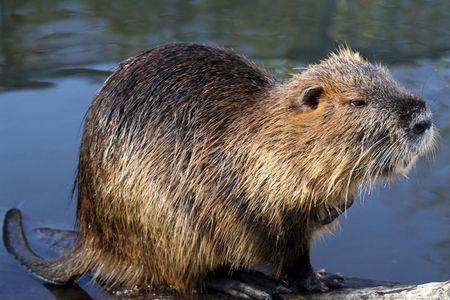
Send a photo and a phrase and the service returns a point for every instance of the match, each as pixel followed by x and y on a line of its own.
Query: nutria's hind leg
pixel 247 285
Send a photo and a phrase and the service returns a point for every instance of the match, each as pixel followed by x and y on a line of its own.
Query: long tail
pixel 61 271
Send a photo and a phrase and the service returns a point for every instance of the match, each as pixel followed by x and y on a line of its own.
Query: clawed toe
pixel 312 283
pixel 320 282
pixel 333 281
pixel 248 285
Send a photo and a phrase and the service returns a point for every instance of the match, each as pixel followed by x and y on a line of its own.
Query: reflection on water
pixel 55 54
pixel 40 36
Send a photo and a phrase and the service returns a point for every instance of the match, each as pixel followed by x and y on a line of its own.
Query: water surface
pixel 54 55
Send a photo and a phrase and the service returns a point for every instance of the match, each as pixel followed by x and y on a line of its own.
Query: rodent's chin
pixel 417 149
pixel 403 167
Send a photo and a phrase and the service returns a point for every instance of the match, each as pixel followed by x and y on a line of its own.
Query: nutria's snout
pixel 420 133
pixel 420 117
pixel 423 131
pixel 421 126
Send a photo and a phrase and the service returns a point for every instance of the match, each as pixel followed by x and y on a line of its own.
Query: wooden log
pixel 357 289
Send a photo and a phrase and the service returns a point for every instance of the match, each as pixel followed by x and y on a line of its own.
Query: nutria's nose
pixel 422 126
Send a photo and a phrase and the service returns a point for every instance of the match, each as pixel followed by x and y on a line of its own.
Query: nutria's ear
pixel 309 98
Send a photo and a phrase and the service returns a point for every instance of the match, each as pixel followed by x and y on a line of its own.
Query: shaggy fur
pixel 193 158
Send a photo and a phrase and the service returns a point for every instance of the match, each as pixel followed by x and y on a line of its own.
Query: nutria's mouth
pixel 403 161
pixel 403 168
pixel 398 168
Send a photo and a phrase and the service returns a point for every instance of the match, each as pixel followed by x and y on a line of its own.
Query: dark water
pixel 55 54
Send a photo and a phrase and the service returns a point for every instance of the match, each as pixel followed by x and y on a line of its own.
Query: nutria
pixel 194 159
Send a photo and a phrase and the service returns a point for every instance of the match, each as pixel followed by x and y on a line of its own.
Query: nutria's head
pixel 354 123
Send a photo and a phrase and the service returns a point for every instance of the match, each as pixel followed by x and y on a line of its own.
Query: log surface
pixel 356 288
pixel 59 241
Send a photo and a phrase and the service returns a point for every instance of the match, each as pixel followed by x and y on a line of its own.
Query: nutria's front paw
pixel 311 283
pixel 332 281
pixel 319 282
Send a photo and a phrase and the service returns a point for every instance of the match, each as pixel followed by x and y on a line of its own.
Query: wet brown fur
pixel 193 158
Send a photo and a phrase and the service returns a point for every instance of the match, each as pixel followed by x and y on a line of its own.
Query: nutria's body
pixel 193 158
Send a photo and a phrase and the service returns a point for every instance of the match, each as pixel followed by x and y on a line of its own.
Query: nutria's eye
pixel 358 103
